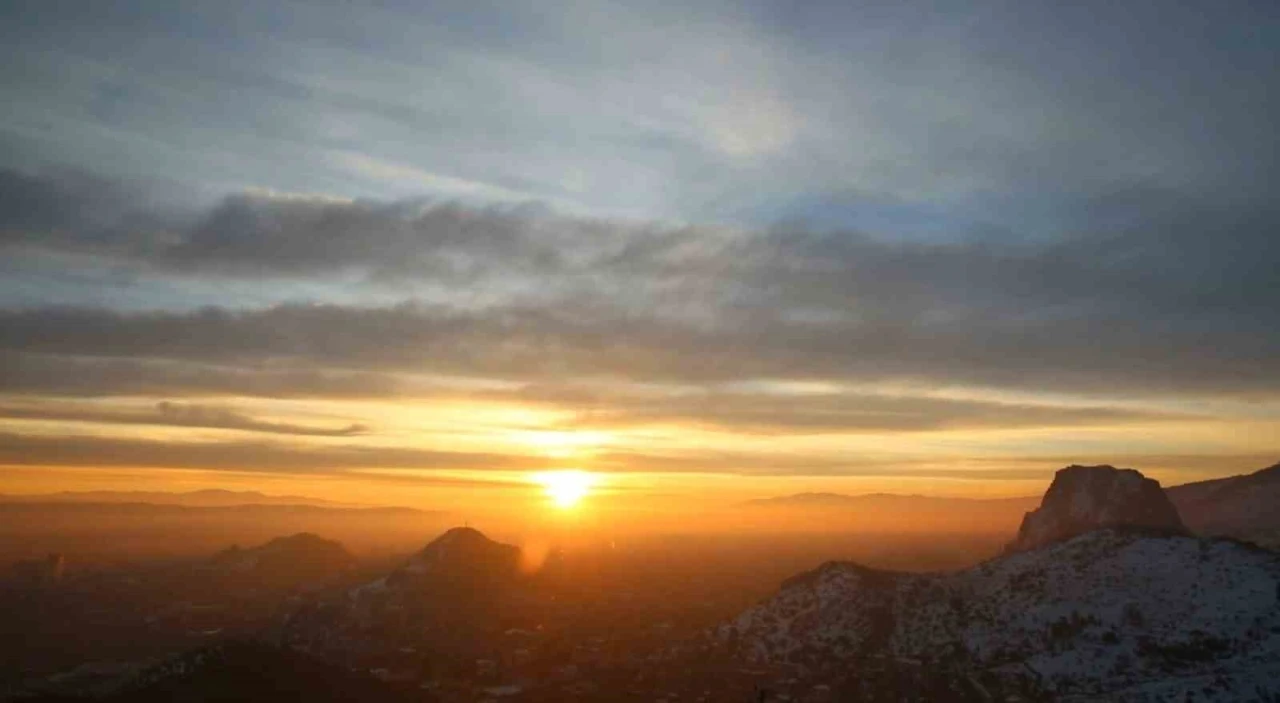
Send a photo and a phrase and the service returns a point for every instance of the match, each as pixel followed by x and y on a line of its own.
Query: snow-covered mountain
pixel 1084 498
pixel 1118 613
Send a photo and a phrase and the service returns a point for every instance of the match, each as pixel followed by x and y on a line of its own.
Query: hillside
pixel 1113 612
pixel 1239 506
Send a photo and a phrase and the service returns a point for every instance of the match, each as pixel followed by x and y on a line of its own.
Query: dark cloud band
pixel 177 415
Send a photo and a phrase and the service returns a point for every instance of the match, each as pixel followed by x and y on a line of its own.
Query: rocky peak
pixel 1086 498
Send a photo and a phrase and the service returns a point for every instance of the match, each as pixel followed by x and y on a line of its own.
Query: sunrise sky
pixel 419 252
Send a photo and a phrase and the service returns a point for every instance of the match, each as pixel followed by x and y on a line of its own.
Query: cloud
pixel 668 110
pixel 1045 199
pixel 1083 347
pixel 839 413
pixel 178 415
pixel 417 465
pixel 1147 288
pixel 274 457
pixel 89 376
pixel 705 404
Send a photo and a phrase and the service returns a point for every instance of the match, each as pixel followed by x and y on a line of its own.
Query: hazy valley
pixel 1103 589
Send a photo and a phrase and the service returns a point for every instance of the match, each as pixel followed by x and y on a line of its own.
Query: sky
pixel 407 252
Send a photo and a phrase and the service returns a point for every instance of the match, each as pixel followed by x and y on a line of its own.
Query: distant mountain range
pixel 891 513
pixel 208 498
pixel 1236 506
pixel 841 500
pixel 87 530
pixel 1104 596
pixel 143 509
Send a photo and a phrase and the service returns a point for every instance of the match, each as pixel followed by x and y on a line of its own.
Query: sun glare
pixel 566 488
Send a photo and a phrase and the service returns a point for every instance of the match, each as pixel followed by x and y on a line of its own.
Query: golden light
pixel 566 488
pixel 562 443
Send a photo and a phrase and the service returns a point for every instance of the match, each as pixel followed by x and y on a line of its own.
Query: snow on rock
pixel 1122 614
pixel 1084 498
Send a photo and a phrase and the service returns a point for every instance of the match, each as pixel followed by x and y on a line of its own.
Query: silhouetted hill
pixel 453 595
pixel 461 564
pixel 282 563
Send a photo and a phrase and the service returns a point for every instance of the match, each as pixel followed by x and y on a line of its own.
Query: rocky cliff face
pixel 1086 498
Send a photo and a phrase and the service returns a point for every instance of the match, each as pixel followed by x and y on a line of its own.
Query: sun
pixel 566 488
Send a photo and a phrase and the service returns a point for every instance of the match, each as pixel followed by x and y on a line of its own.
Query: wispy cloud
pixel 270 457
pixel 177 415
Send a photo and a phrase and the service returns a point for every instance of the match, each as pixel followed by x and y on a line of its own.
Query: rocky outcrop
pixel 1086 498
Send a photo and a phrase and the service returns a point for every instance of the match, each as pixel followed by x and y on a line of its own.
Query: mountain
pixel 1238 506
pixel 87 531
pixel 1120 613
pixel 456 594
pixel 1084 498
pixel 888 501
pixel 462 558
pixel 283 562
pixel 890 513
pixel 1129 609
pixel 208 498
